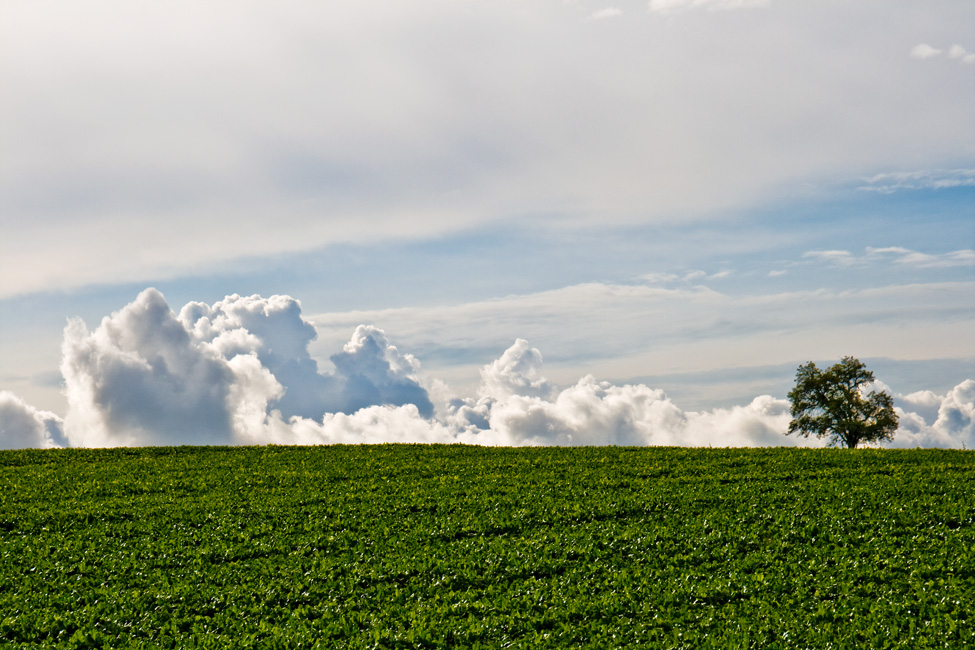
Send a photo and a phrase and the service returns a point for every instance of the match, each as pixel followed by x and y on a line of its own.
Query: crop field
pixel 404 546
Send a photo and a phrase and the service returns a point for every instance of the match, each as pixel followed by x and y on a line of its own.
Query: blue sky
pixel 693 196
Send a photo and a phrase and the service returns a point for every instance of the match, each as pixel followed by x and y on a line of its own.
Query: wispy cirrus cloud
pixel 353 120
pixel 608 12
pixel 907 257
pixel 673 6
pixel 927 179
pixel 627 331
pixel 834 257
pixel 688 277
pixel 894 255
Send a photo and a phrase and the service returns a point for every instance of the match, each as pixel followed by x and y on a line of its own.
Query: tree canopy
pixel 832 403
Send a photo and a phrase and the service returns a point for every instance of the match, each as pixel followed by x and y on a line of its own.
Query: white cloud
pixel 927 179
pixel 924 403
pixel 511 411
pixel 673 6
pixel 23 426
pixel 896 255
pixel 608 12
pixel 273 331
pixel 963 55
pixel 516 372
pixel 659 278
pixel 375 372
pixel 588 413
pixel 140 378
pixel 146 376
pixel 593 412
pixel 759 423
pixel 597 413
pixel 957 52
pixel 925 51
pixel 953 425
pixel 907 257
pixel 689 277
pixel 371 425
pixel 837 257
pixel 626 331
pixel 343 121
pixel 369 370
pixel 216 375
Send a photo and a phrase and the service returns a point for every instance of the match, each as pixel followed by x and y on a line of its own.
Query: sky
pixel 506 222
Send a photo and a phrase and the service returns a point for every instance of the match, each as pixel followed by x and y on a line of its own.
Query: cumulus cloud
pixel 629 332
pixel 515 410
pixel 924 51
pixel 216 374
pixel 960 53
pixel 222 374
pixel 516 372
pixel 956 52
pixel 929 420
pixel 140 378
pixel 588 413
pixel 375 372
pixel 23 426
pixel 370 370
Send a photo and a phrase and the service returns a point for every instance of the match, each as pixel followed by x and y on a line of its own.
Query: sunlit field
pixel 404 546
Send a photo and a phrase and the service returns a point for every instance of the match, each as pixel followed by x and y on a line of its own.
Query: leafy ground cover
pixel 464 547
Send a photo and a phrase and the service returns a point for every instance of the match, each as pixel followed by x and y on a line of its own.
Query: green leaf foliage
pixel 831 403
pixel 403 546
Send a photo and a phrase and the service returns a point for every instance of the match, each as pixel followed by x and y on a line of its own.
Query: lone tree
pixel 831 403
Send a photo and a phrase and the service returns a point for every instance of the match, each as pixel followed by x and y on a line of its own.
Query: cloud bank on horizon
pixel 239 372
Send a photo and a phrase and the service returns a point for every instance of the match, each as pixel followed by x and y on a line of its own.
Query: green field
pixel 464 547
